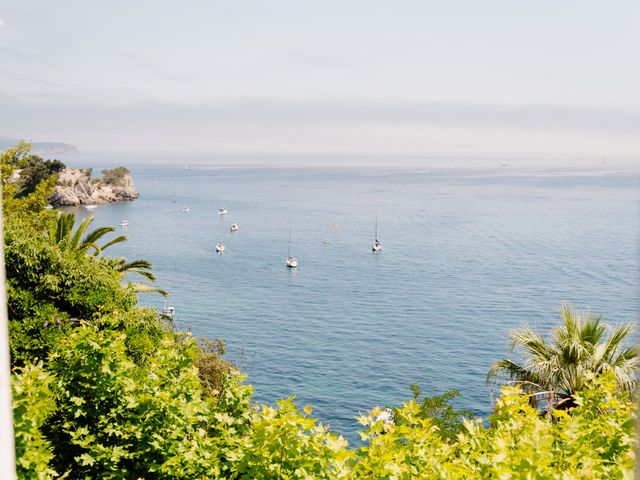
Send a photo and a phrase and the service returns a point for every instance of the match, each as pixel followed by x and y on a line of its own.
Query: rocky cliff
pixel 76 187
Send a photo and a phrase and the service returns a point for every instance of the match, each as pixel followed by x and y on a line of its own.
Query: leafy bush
pixel 448 419
pixel 596 440
pixel 117 417
pixel 33 404
pixel 283 443
pixel 212 368
pixel 114 176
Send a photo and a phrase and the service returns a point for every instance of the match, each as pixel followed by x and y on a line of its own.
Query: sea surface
pixel 469 253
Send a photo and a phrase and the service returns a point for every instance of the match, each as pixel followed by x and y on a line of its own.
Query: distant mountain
pixel 40 148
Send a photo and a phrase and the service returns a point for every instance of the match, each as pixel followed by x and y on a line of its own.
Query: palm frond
pixel 97 234
pixel 620 332
pixel 118 239
pixel 75 239
pixel 145 288
pixel 511 370
pixel 64 226
pixel 135 264
pixel 531 341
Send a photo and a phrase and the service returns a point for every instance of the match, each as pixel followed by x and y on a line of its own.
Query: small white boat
pixel 168 311
pixel 185 210
pixel 326 242
pixel 48 207
pixel 91 207
pixel 504 164
pixel 124 223
pixel 377 246
pixel 219 247
pixel 222 211
pixel 292 262
pixel 234 227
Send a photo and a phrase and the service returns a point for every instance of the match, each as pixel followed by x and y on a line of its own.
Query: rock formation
pixel 76 187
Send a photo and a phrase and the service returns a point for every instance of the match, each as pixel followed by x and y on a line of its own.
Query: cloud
pixel 350 125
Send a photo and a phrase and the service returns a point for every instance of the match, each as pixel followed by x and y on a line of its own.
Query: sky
pixel 367 77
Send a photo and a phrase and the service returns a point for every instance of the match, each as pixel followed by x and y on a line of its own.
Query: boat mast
pixel 376 229
pixel 289 248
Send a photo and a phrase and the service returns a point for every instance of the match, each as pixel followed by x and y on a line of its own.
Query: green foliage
pixel 117 417
pixel 212 368
pixel 14 158
pixel 62 234
pixel 80 285
pixel 411 447
pixel 444 415
pixel 33 404
pixel 595 441
pixel 114 176
pixel 28 192
pixel 35 171
pixel 283 443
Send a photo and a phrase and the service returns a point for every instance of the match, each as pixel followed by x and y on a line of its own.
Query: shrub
pixel 448 419
pixel 114 176
pixel 33 404
pixel 212 368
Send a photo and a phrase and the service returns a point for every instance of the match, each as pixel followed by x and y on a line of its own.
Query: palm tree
pixel 554 371
pixel 62 234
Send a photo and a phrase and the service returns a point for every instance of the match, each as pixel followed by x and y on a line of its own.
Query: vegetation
pixel 114 176
pixel 106 389
pixel 32 169
pixel 555 372
pixel 443 414
pixel 71 241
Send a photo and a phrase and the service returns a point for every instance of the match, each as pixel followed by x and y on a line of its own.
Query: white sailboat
pixel 124 223
pixel 377 246
pixel 234 227
pixel 222 211
pixel 220 247
pixel 292 262
pixel 168 311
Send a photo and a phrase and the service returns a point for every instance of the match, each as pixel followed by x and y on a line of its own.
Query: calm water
pixel 468 254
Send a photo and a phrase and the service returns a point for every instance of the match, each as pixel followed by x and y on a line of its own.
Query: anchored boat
pixel 292 262
pixel 377 246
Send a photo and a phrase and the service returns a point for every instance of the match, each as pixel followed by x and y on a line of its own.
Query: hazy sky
pixel 346 76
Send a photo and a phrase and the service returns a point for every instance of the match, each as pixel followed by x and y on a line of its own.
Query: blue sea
pixel 469 253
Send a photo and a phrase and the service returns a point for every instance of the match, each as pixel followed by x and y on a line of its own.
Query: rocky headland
pixel 76 187
pixel 41 148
